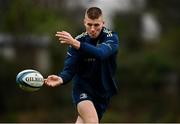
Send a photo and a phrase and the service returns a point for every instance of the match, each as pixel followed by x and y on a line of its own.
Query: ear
pixel 103 23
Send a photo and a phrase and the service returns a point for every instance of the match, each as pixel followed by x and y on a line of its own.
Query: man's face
pixel 93 27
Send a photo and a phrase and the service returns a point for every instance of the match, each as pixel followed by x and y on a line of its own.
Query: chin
pixel 93 36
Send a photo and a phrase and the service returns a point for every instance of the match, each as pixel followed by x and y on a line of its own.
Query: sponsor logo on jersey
pixel 83 96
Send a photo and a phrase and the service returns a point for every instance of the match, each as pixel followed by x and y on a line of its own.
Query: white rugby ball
pixel 29 80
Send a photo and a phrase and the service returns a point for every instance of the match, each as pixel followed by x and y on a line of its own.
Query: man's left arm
pixel 102 51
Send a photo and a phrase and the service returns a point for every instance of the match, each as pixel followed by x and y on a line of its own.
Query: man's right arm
pixel 68 72
pixel 69 65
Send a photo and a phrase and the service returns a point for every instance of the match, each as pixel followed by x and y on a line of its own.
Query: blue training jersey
pixel 93 66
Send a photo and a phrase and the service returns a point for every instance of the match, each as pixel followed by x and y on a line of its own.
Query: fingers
pixel 64 37
pixel 49 84
pixel 52 81
pixel 63 34
pixel 45 81
pixel 52 77
pixel 62 41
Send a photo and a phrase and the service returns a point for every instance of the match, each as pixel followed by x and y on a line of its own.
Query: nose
pixel 92 29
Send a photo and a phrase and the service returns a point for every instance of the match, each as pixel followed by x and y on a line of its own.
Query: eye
pixel 89 24
pixel 96 25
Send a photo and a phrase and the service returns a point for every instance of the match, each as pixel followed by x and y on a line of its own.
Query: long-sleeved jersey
pixel 92 67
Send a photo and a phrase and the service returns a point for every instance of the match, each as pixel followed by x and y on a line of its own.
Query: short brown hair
pixel 93 12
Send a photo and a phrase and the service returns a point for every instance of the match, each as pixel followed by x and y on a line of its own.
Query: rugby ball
pixel 29 80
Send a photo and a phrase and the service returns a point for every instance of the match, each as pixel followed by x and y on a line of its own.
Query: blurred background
pixel 148 61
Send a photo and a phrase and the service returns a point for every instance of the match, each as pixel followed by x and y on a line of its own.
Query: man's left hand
pixel 66 38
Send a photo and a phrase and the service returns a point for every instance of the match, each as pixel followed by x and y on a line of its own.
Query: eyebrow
pixel 96 24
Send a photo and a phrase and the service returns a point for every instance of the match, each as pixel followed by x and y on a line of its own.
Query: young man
pixel 91 63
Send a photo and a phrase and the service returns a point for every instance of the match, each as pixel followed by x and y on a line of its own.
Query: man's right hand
pixel 53 80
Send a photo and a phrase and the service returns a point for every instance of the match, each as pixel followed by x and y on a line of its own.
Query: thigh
pixel 84 105
pixel 101 106
pixel 87 111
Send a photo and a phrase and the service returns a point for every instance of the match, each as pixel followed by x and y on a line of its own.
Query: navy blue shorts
pixel 100 104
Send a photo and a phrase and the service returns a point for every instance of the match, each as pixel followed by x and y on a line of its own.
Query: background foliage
pixel 148 72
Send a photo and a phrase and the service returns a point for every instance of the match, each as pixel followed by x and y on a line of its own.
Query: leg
pixel 79 120
pixel 87 112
